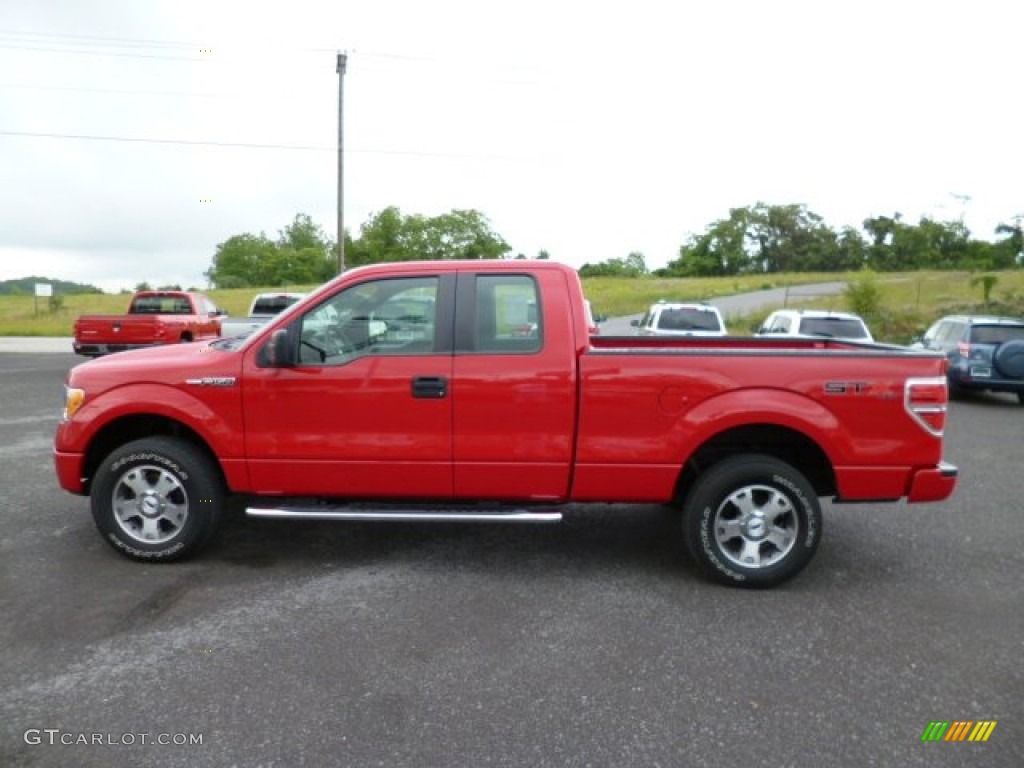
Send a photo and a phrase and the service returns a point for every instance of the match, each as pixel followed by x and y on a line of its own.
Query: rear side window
pixel 688 319
pixel 996 334
pixel 833 326
pixel 508 317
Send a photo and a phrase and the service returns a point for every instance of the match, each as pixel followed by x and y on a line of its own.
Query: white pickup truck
pixel 264 306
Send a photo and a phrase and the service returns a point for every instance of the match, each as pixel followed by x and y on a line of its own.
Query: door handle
pixel 429 387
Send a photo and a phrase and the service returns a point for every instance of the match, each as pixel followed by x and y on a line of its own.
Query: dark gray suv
pixel 984 352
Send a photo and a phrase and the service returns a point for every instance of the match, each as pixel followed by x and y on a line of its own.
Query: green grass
pixel 909 301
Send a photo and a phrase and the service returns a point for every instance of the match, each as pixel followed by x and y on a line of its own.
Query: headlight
pixel 73 399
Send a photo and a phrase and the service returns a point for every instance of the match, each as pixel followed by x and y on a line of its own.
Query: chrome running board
pixel 405 515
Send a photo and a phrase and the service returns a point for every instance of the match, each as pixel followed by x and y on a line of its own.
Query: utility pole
pixel 342 60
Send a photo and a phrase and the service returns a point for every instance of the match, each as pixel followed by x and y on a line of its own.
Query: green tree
pixel 760 238
pixel 864 296
pixel 633 265
pixel 237 263
pixel 301 255
pixel 987 283
pixel 460 234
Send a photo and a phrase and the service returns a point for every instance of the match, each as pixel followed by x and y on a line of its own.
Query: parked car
pixel 264 306
pixel 985 352
pixel 154 318
pixel 816 322
pixel 676 319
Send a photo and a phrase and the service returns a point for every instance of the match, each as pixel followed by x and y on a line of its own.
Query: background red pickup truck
pixel 469 391
pixel 154 317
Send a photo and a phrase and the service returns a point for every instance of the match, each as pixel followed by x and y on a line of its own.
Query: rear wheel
pixel 157 499
pixel 752 521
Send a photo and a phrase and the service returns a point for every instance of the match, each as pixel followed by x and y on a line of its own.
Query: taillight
pixel 964 348
pixel 926 400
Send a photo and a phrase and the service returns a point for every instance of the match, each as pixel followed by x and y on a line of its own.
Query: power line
pixel 248 145
pixel 95 39
pixel 140 92
pixel 101 53
pixel 35 41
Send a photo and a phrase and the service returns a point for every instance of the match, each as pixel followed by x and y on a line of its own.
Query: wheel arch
pixel 126 429
pixel 783 443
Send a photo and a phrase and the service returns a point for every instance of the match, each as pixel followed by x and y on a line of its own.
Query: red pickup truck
pixel 154 317
pixel 412 392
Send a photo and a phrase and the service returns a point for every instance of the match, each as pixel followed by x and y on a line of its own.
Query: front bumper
pixel 69 471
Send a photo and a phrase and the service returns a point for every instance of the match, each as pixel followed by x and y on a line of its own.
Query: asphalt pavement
pixel 591 643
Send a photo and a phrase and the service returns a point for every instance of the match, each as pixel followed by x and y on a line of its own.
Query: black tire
pixel 1020 398
pixel 158 499
pixel 752 521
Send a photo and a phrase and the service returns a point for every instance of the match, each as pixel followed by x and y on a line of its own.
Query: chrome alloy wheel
pixel 756 526
pixel 150 504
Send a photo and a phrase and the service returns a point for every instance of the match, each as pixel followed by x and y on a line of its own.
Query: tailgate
pixel 116 329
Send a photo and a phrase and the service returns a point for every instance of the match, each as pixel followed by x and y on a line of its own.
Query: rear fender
pixel 746 407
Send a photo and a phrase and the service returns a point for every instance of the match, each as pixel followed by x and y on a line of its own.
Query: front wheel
pixel 752 521
pixel 157 499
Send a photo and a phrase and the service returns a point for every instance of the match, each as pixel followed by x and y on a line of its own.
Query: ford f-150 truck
pixel 411 391
pixel 154 317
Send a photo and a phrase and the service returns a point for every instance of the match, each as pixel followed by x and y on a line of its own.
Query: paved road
pixel 590 643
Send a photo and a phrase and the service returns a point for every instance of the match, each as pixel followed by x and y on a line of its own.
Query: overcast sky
pixel 585 129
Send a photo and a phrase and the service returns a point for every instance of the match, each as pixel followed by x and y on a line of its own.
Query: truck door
pixel 367 409
pixel 514 383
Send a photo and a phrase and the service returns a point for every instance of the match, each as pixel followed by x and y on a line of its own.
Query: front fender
pixel 213 413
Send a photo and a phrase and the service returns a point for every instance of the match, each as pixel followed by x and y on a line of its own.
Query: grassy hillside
pixel 909 302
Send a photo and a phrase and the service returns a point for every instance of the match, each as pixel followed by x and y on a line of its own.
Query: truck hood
pixel 173 364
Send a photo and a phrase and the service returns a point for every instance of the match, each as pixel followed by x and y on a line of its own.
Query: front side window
pixel 379 317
